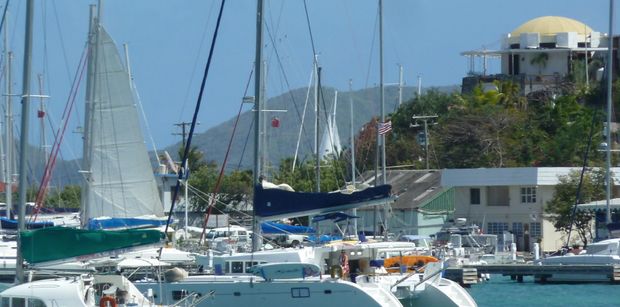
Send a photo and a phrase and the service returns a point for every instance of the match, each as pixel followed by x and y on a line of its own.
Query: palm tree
pixel 540 60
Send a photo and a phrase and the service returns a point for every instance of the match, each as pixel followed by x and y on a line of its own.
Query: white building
pixel 509 199
pixel 539 54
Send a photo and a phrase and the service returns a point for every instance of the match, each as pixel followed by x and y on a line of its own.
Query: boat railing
pixel 415 271
pixel 426 278
pixel 194 299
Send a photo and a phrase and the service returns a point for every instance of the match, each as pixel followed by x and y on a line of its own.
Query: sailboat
pixel 119 189
pixel 43 246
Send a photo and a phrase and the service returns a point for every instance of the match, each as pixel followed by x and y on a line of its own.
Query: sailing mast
pixel 381 137
pixel 354 211
pixel 88 113
pixel 609 110
pixel 8 122
pixel 258 100
pixel 23 145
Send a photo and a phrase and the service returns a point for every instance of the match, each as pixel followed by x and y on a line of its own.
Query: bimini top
pixel 552 25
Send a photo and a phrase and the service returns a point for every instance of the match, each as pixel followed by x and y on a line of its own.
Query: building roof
pixel 552 25
pixel 413 188
pixel 516 176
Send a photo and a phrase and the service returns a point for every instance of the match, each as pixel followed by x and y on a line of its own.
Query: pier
pixel 541 273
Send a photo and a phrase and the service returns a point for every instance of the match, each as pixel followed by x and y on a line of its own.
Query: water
pixel 502 291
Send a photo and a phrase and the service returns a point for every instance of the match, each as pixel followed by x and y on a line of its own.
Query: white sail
pixel 119 174
pixel 330 141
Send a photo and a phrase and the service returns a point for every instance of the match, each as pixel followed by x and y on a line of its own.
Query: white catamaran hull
pixel 255 291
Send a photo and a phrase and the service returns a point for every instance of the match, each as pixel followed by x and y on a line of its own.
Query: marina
pixel 497 191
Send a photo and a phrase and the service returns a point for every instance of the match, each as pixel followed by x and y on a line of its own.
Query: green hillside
pixel 281 142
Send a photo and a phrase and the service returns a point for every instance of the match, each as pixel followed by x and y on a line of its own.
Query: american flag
pixel 385 127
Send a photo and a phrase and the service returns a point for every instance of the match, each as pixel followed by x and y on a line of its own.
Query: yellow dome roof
pixel 551 25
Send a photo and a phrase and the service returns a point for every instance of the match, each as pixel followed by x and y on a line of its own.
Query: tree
pixel 195 157
pixel 69 197
pixel 540 60
pixel 304 177
pixel 560 207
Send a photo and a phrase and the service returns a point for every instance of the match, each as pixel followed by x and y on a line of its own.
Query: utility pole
pixel 184 130
pixel 425 119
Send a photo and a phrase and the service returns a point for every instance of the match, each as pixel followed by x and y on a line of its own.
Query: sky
pixel 168 44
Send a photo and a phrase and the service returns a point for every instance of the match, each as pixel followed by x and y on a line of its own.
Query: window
pixel 528 195
pixel 498 196
pixel 300 292
pixel 517 229
pixel 496 228
pixel 35 302
pixel 249 265
pixel 179 294
pixel 243 236
pixel 6 302
pixel 18 302
pixel 535 230
pixel 474 196
pixel 236 267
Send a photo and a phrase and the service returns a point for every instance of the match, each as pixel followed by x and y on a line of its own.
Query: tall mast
pixel 419 85
pixel 258 62
pixel 382 136
pixel 316 129
pixel 609 109
pixel 264 135
pixel 23 145
pixel 381 85
pixel 89 105
pixel 354 211
pixel 8 122
pixel 41 116
pixel 400 85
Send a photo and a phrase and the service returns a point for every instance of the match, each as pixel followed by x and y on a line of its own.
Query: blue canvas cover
pixel 125 223
pixel 11 224
pixel 277 203
pixel 279 228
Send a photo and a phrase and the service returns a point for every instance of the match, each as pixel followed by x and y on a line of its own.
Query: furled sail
pixel 277 203
pixel 119 176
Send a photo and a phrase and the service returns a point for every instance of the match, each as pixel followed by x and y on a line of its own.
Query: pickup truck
pixel 287 240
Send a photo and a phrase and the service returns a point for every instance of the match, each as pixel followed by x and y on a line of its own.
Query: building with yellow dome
pixel 540 54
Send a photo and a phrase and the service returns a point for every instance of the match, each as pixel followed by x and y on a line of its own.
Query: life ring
pixel 107 299
pixel 336 270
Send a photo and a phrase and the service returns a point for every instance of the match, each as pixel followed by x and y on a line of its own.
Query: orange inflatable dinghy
pixel 412 262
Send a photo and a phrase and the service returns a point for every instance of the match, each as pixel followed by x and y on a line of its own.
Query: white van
pixel 231 234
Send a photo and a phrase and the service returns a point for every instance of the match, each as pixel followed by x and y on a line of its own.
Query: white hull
pixel 254 291
pixel 78 291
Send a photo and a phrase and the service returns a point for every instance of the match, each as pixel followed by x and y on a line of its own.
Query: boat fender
pixel 336 270
pixel 103 302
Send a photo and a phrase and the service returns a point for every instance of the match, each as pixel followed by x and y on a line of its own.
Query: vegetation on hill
pixel 497 128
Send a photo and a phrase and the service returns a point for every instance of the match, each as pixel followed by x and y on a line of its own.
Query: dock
pixel 541 273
